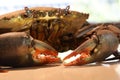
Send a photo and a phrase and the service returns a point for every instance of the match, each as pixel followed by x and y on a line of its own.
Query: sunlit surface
pixel 117 69
pixel 109 71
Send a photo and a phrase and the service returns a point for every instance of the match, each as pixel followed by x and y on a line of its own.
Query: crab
pixel 34 36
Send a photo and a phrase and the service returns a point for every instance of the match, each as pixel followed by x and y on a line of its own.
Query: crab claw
pixel 43 53
pixel 19 49
pixel 96 49
pixel 81 54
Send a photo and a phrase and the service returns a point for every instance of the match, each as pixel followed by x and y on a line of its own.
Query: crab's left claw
pixel 43 53
pixel 96 49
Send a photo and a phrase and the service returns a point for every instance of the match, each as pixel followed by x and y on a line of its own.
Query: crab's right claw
pixel 96 49
pixel 81 55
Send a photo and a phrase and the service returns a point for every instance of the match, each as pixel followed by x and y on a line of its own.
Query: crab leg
pixel 93 50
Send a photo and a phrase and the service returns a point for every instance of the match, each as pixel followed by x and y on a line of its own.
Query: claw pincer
pixel 100 46
pixel 18 49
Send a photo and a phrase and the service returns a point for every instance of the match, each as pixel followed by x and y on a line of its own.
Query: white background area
pixel 99 10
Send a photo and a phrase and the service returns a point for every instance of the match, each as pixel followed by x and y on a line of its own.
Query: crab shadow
pixel 32 67
pixel 109 63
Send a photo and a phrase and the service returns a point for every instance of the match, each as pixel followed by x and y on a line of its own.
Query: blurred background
pixel 99 10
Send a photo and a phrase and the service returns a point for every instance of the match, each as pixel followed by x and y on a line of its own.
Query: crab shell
pixel 51 25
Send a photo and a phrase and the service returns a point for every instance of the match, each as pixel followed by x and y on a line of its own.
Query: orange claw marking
pixel 84 55
pixel 45 56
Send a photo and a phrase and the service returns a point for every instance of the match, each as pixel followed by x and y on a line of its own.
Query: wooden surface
pixel 106 71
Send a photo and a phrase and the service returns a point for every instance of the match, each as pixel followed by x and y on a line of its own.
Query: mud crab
pixel 60 28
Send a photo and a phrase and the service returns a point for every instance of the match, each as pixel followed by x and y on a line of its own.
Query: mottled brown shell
pixel 52 25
